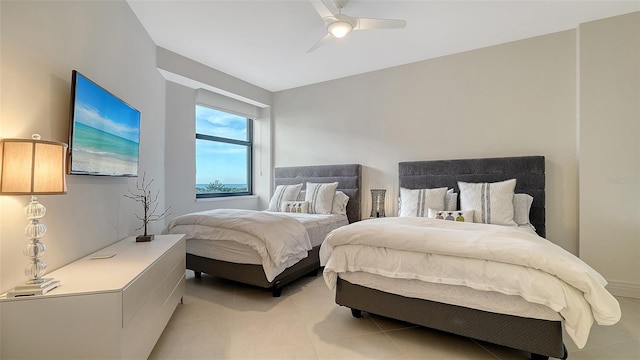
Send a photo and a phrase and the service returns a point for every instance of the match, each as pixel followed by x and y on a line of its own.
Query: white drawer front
pixel 143 288
pixel 144 329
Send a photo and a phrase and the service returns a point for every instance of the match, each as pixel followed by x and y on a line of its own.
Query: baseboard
pixel 624 289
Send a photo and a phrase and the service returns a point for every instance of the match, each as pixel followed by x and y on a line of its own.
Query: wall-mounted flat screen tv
pixel 104 132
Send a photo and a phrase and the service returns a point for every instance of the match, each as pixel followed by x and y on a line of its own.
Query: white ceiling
pixel 265 42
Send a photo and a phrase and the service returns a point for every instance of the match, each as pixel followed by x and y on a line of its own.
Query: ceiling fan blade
pixel 322 9
pixel 321 42
pixel 366 24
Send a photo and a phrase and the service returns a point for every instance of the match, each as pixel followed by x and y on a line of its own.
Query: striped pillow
pixel 320 197
pixel 492 203
pixel 416 203
pixel 451 200
pixel 283 193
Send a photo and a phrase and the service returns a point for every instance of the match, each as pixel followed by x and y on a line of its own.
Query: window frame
pixel 248 143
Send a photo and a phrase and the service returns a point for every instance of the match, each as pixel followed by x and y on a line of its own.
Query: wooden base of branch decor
pixel 144 238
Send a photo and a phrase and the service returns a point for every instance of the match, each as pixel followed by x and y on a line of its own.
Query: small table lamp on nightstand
pixel 377 202
pixel 33 167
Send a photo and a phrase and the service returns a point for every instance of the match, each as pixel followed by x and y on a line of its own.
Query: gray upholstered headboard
pixel 527 170
pixel 349 178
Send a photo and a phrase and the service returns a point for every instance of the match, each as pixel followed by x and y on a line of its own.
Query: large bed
pixel 213 237
pixel 461 305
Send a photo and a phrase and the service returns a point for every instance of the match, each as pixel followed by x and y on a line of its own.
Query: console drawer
pixel 143 288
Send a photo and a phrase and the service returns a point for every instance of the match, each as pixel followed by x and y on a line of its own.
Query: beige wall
pixel 508 100
pixel 42 41
pixel 610 149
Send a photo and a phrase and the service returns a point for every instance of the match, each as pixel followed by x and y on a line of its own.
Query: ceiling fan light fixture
pixel 339 28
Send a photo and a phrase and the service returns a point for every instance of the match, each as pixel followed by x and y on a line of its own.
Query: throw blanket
pixel 280 240
pixel 484 257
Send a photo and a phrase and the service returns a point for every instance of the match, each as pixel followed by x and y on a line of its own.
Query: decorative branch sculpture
pixel 143 195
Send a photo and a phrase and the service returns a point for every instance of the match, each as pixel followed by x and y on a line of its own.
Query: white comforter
pixel 280 241
pixel 484 257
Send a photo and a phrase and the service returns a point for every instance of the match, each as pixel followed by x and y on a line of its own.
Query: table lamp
pixel 33 167
pixel 377 202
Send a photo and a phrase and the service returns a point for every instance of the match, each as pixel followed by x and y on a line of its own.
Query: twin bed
pixel 501 284
pixel 228 243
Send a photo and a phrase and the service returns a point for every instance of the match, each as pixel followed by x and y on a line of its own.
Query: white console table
pixel 114 307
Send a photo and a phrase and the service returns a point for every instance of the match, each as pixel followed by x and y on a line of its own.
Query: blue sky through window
pixel 218 123
pixel 226 163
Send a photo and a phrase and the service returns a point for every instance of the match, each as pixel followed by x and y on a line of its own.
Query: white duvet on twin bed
pixel 225 250
pixel 483 257
pixel 254 237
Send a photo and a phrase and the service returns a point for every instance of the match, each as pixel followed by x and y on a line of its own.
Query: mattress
pixel 490 301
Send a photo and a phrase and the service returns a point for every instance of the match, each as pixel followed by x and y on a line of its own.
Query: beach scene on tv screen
pixel 106 133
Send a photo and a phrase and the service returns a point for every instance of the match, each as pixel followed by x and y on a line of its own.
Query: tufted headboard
pixel 349 178
pixel 529 172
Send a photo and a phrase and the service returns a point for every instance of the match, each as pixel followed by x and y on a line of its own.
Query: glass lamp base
pixel 34 287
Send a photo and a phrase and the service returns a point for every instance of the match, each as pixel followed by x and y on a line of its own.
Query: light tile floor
pixel 224 320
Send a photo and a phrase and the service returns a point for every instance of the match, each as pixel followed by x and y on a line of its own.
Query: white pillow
pixel 451 200
pixel 283 193
pixel 320 197
pixel 415 203
pixel 492 203
pixel 521 208
pixel 295 206
pixel 467 215
pixel 340 201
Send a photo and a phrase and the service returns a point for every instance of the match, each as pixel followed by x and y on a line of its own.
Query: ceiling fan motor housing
pixel 340 3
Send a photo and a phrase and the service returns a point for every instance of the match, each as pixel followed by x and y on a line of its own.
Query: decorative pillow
pixel 521 208
pixel 340 201
pixel 492 203
pixel 467 216
pixel 415 203
pixel 451 200
pixel 283 193
pixel 320 197
pixel 295 207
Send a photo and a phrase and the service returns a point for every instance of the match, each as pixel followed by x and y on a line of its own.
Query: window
pixel 224 144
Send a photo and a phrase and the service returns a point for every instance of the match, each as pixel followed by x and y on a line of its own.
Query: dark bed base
pixel 543 338
pixel 254 274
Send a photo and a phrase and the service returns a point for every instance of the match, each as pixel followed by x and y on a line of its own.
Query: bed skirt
pixel 254 274
pixel 540 337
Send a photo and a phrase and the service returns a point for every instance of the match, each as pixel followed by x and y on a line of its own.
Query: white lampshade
pixel 32 167
pixel 339 28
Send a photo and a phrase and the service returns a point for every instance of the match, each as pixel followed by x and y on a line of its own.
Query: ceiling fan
pixel 339 24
